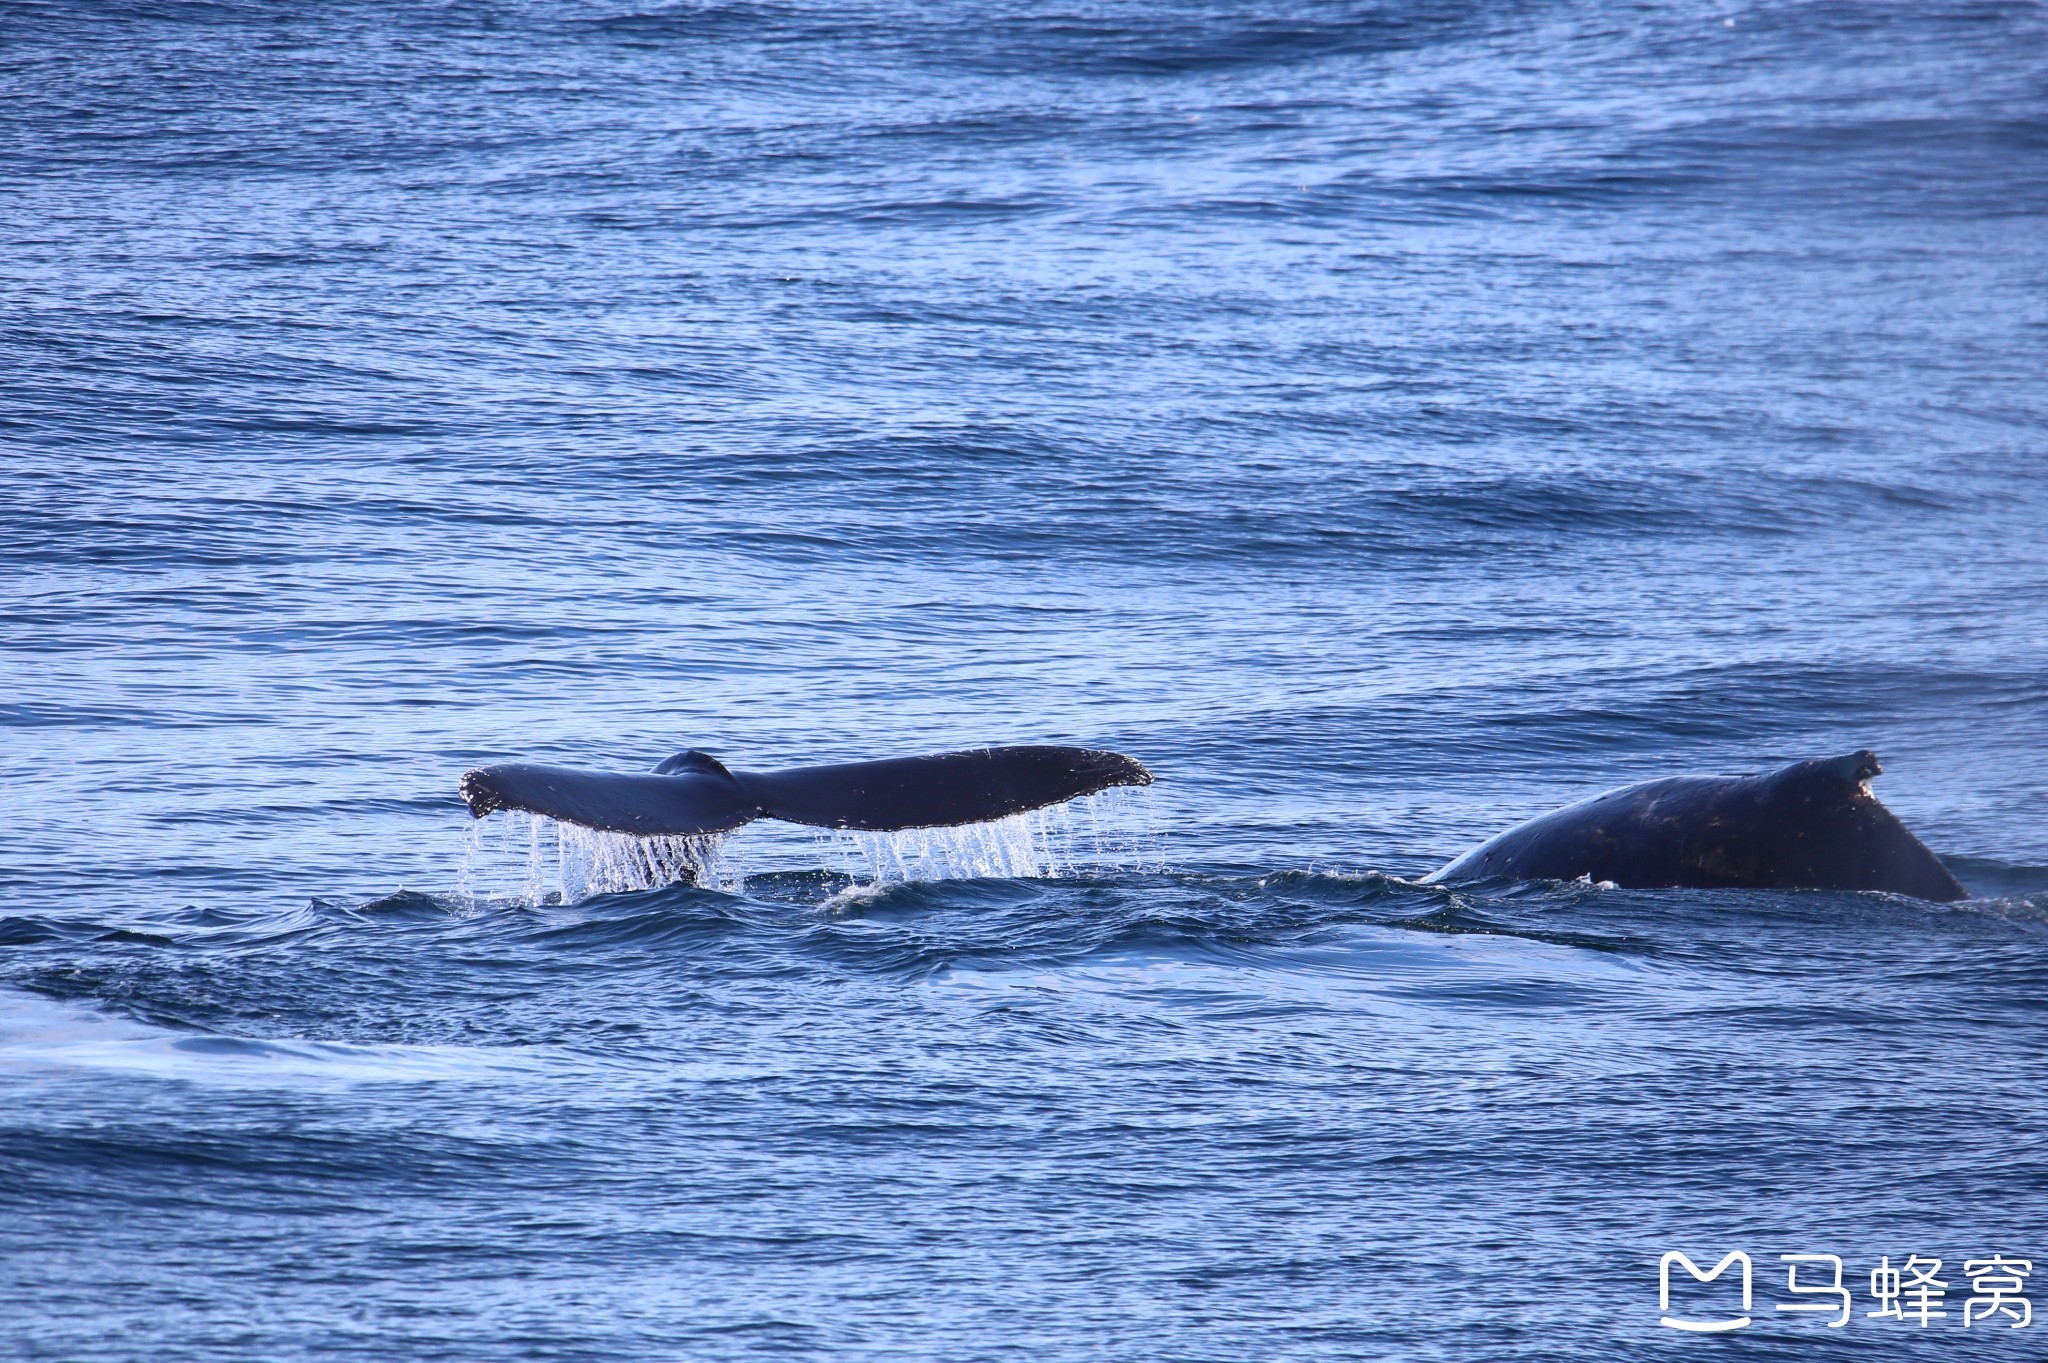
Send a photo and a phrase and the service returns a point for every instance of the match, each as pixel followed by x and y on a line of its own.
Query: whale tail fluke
pixel 673 799
pixel 692 793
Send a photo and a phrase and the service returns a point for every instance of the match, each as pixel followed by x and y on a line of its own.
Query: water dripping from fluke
pixel 1104 832
pixel 535 861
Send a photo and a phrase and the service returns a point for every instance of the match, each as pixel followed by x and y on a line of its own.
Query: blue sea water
pixel 1386 421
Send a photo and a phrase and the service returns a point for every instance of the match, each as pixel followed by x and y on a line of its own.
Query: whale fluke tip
pixel 476 792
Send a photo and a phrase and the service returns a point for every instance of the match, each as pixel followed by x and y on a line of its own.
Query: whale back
pixel 1810 825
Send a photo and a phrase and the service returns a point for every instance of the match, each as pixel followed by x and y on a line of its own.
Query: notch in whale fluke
pixel 693 793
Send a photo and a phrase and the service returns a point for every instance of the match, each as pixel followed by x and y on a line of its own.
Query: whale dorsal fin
pixel 1853 768
pixel 692 760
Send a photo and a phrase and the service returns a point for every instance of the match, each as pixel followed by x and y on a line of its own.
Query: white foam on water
pixel 535 860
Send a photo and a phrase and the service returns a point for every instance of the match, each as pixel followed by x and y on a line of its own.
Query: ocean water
pixel 1386 421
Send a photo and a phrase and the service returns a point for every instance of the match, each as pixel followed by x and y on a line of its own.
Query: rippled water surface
pixel 1385 421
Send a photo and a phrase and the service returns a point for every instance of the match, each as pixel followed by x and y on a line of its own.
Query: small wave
pixel 1986 878
pixel 24 931
pixel 42 1033
pixel 1382 969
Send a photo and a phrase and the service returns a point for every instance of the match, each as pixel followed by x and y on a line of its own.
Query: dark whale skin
pixel 693 793
pixel 1812 825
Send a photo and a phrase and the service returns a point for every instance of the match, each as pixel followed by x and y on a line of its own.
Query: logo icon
pixel 1702 1326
